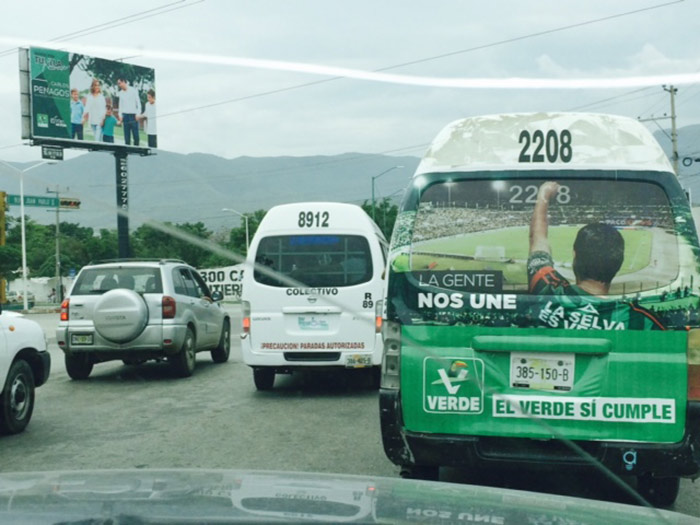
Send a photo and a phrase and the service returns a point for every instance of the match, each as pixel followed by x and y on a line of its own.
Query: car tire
pixel 17 401
pixel 660 492
pixel 221 352
pixel 78 366
pixel 264 378
pixel 183 362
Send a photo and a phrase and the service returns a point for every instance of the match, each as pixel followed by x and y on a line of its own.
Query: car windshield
pixel 324 249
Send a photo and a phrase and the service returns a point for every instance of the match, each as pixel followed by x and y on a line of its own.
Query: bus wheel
pixel 660 492
pixel 263 378
pixel 429 473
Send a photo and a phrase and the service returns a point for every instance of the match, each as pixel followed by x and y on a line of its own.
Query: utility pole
pixel 674 134
pixel 59 284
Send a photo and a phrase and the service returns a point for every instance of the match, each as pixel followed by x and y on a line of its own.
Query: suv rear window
pixel 315 260
pixel 99 280
pixel 484 225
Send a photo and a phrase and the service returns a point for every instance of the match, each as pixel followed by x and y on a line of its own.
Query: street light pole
pixel 373 179
pixel 22 227
pixel 247 239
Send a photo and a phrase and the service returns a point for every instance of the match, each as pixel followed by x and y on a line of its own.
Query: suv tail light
pixel 64 309
pixel 169 307
pixel 245 306
pixel 391 361
pixel 694 365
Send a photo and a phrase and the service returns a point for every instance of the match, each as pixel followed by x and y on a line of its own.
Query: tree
pixel 385 215
pixel 10 260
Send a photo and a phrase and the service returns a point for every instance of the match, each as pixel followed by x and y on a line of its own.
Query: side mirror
pixel 217 296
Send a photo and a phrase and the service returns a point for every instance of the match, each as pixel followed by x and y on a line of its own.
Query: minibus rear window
pixel 486 225
pixel 313 260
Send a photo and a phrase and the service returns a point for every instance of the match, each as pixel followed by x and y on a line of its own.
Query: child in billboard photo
pixel 76 115
pixel 149 116
pixel 129 108
pixel 95 109
pixel 108 126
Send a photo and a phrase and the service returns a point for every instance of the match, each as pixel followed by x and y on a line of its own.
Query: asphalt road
pixel 144 417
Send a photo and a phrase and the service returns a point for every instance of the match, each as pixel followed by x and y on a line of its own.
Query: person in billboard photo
pixel 129 108
pixel 108 126
pixel 149 116
pixel 95 109
pixel 598 254
pixel 76 115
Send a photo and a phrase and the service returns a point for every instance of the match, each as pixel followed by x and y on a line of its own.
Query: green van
pixel 542 305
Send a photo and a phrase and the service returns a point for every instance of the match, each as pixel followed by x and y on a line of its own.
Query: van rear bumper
pixel 406 448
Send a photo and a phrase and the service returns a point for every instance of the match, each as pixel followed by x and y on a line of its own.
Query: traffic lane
pixel 142 416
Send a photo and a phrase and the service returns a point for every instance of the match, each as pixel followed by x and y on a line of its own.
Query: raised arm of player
pixel 539 223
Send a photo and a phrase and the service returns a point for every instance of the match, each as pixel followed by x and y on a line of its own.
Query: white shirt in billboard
pixel 129 102
pixel 149 111
pixel 96 108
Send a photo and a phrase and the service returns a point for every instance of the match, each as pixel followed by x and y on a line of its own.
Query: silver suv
pixel 136 310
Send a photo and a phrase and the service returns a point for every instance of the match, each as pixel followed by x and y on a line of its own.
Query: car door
pixel 203 308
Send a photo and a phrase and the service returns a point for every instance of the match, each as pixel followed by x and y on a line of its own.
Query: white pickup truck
pixel 24 364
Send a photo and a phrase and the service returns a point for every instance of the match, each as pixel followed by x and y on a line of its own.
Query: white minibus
pixel 313 290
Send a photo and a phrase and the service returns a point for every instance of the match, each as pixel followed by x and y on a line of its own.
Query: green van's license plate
pixel 542 371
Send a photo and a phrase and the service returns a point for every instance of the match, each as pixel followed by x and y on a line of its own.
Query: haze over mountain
pixel 189 188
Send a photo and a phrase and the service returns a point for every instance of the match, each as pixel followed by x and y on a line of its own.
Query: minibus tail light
pixel 391 359
pixel 245 307
pixel 378 317
pixel 694 364
pixel 169 307
pixel 64 309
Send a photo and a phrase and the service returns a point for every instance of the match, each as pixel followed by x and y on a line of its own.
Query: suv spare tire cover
pixel 120 315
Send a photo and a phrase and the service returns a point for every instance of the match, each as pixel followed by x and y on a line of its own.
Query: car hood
pixel 231 496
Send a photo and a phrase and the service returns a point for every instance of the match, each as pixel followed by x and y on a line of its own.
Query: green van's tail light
pixel 169 307
pixel 64 309
pixel 245 307
pixel 694 365
pixel 378 317
pixel 391 361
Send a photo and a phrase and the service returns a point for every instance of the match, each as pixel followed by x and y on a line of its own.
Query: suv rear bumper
pixel 165 339
pixel 406 448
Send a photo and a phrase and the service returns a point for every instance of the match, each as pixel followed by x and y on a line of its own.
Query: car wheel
pixel 264 378
pixel 78 366
pixel 429 473
pixel 17 402
pixel 660 492
pixel 221 352
pixel 183 362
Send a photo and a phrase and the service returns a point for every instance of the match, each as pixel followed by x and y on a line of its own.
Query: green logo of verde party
pixel 453 385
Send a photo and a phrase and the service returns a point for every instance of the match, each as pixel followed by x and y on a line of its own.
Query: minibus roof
pixel 496 142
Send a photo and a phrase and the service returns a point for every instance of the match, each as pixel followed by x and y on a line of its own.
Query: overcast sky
pixel 492 40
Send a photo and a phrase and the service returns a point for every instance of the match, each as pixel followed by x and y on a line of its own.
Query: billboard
pixel 85 102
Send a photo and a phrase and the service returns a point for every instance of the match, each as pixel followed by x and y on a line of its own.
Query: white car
pixel 24 364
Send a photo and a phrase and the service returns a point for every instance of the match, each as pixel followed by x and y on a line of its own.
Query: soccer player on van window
pixel 598 255
pixel 76 115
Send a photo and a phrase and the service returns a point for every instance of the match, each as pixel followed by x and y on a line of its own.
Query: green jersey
pixel 566 305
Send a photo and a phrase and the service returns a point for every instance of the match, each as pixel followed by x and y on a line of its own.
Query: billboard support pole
pixel 122 166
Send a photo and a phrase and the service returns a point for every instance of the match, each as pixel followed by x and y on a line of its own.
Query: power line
pixel 422 60
pixel 142 15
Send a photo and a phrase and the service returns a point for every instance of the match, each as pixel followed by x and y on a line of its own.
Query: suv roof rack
pixel 137 259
